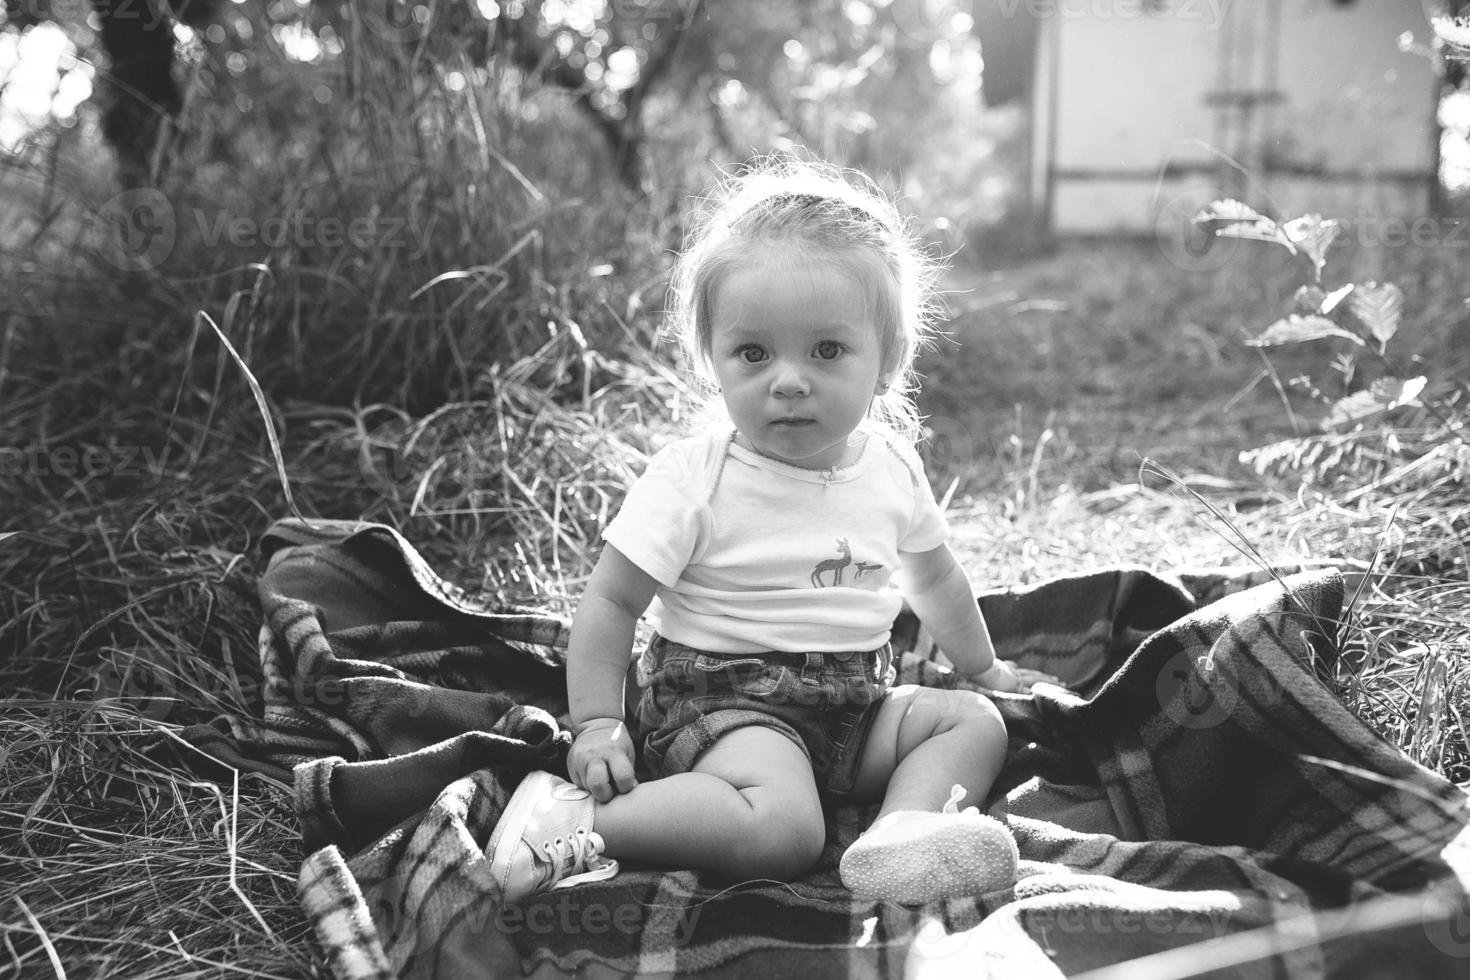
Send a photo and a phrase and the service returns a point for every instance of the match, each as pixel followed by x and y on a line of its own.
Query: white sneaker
pixel 544 839
pixel 912 857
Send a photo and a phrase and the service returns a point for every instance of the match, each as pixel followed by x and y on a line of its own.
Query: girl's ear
pixel 887 374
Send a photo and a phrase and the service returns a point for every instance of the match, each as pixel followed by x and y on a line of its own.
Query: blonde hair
pixel 824 213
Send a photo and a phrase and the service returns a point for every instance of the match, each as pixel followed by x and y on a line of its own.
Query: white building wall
pixel 1314 102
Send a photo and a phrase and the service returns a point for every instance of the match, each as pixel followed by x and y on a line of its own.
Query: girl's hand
pixel 1005 676
pixel 601 760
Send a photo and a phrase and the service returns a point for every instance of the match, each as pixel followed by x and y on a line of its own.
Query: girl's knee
pixel 977 709
pixel 804 841
pixel 780 831
pixel 935 711
pixel 784 846
pixel 978 714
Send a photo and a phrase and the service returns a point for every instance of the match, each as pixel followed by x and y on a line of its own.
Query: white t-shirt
pixel 752 554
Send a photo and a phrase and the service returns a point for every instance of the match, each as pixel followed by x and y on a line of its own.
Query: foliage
pixel 867 83
pixel 488 380
pixel 1365 315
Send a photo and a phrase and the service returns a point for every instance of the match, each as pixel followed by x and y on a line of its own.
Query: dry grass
pixel 124 867
pixel 137 615
pixel 1405 666
pixel 491 396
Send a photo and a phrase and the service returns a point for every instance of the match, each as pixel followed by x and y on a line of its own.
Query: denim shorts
pixel 823 702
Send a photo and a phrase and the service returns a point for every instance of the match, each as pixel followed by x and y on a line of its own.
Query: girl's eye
pixel 828 350
pixel 751 354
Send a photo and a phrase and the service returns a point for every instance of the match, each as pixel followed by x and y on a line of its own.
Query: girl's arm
pixel 618 592
pixel 936 587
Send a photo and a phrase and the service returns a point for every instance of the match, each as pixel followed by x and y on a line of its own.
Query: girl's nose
pixel 789 382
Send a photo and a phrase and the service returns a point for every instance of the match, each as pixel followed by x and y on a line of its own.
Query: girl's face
pixel 797 354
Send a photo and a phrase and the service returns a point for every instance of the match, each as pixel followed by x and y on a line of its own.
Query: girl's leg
pixel 924 741
pixel 924 744
pixel 748 809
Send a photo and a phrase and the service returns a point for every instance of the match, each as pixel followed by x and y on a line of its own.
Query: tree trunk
pixel 140 99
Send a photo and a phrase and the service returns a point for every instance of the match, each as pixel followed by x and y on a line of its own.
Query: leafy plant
pixel 1364 316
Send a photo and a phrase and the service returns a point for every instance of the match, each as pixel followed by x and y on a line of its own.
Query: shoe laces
pixel 565 857
pixel 957 793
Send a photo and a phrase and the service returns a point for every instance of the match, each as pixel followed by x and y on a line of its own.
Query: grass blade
pixel 265 413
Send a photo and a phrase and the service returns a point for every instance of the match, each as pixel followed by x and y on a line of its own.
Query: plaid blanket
pixel 1197 782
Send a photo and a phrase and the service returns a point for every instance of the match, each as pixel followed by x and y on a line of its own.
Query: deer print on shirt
pixel 833 565
pixel 864 567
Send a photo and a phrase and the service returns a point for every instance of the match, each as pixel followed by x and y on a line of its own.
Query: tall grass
pixel 489 381
pixel 479 367
pixel 1101 407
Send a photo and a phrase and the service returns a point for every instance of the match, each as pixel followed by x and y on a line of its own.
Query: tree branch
pixel 516 40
